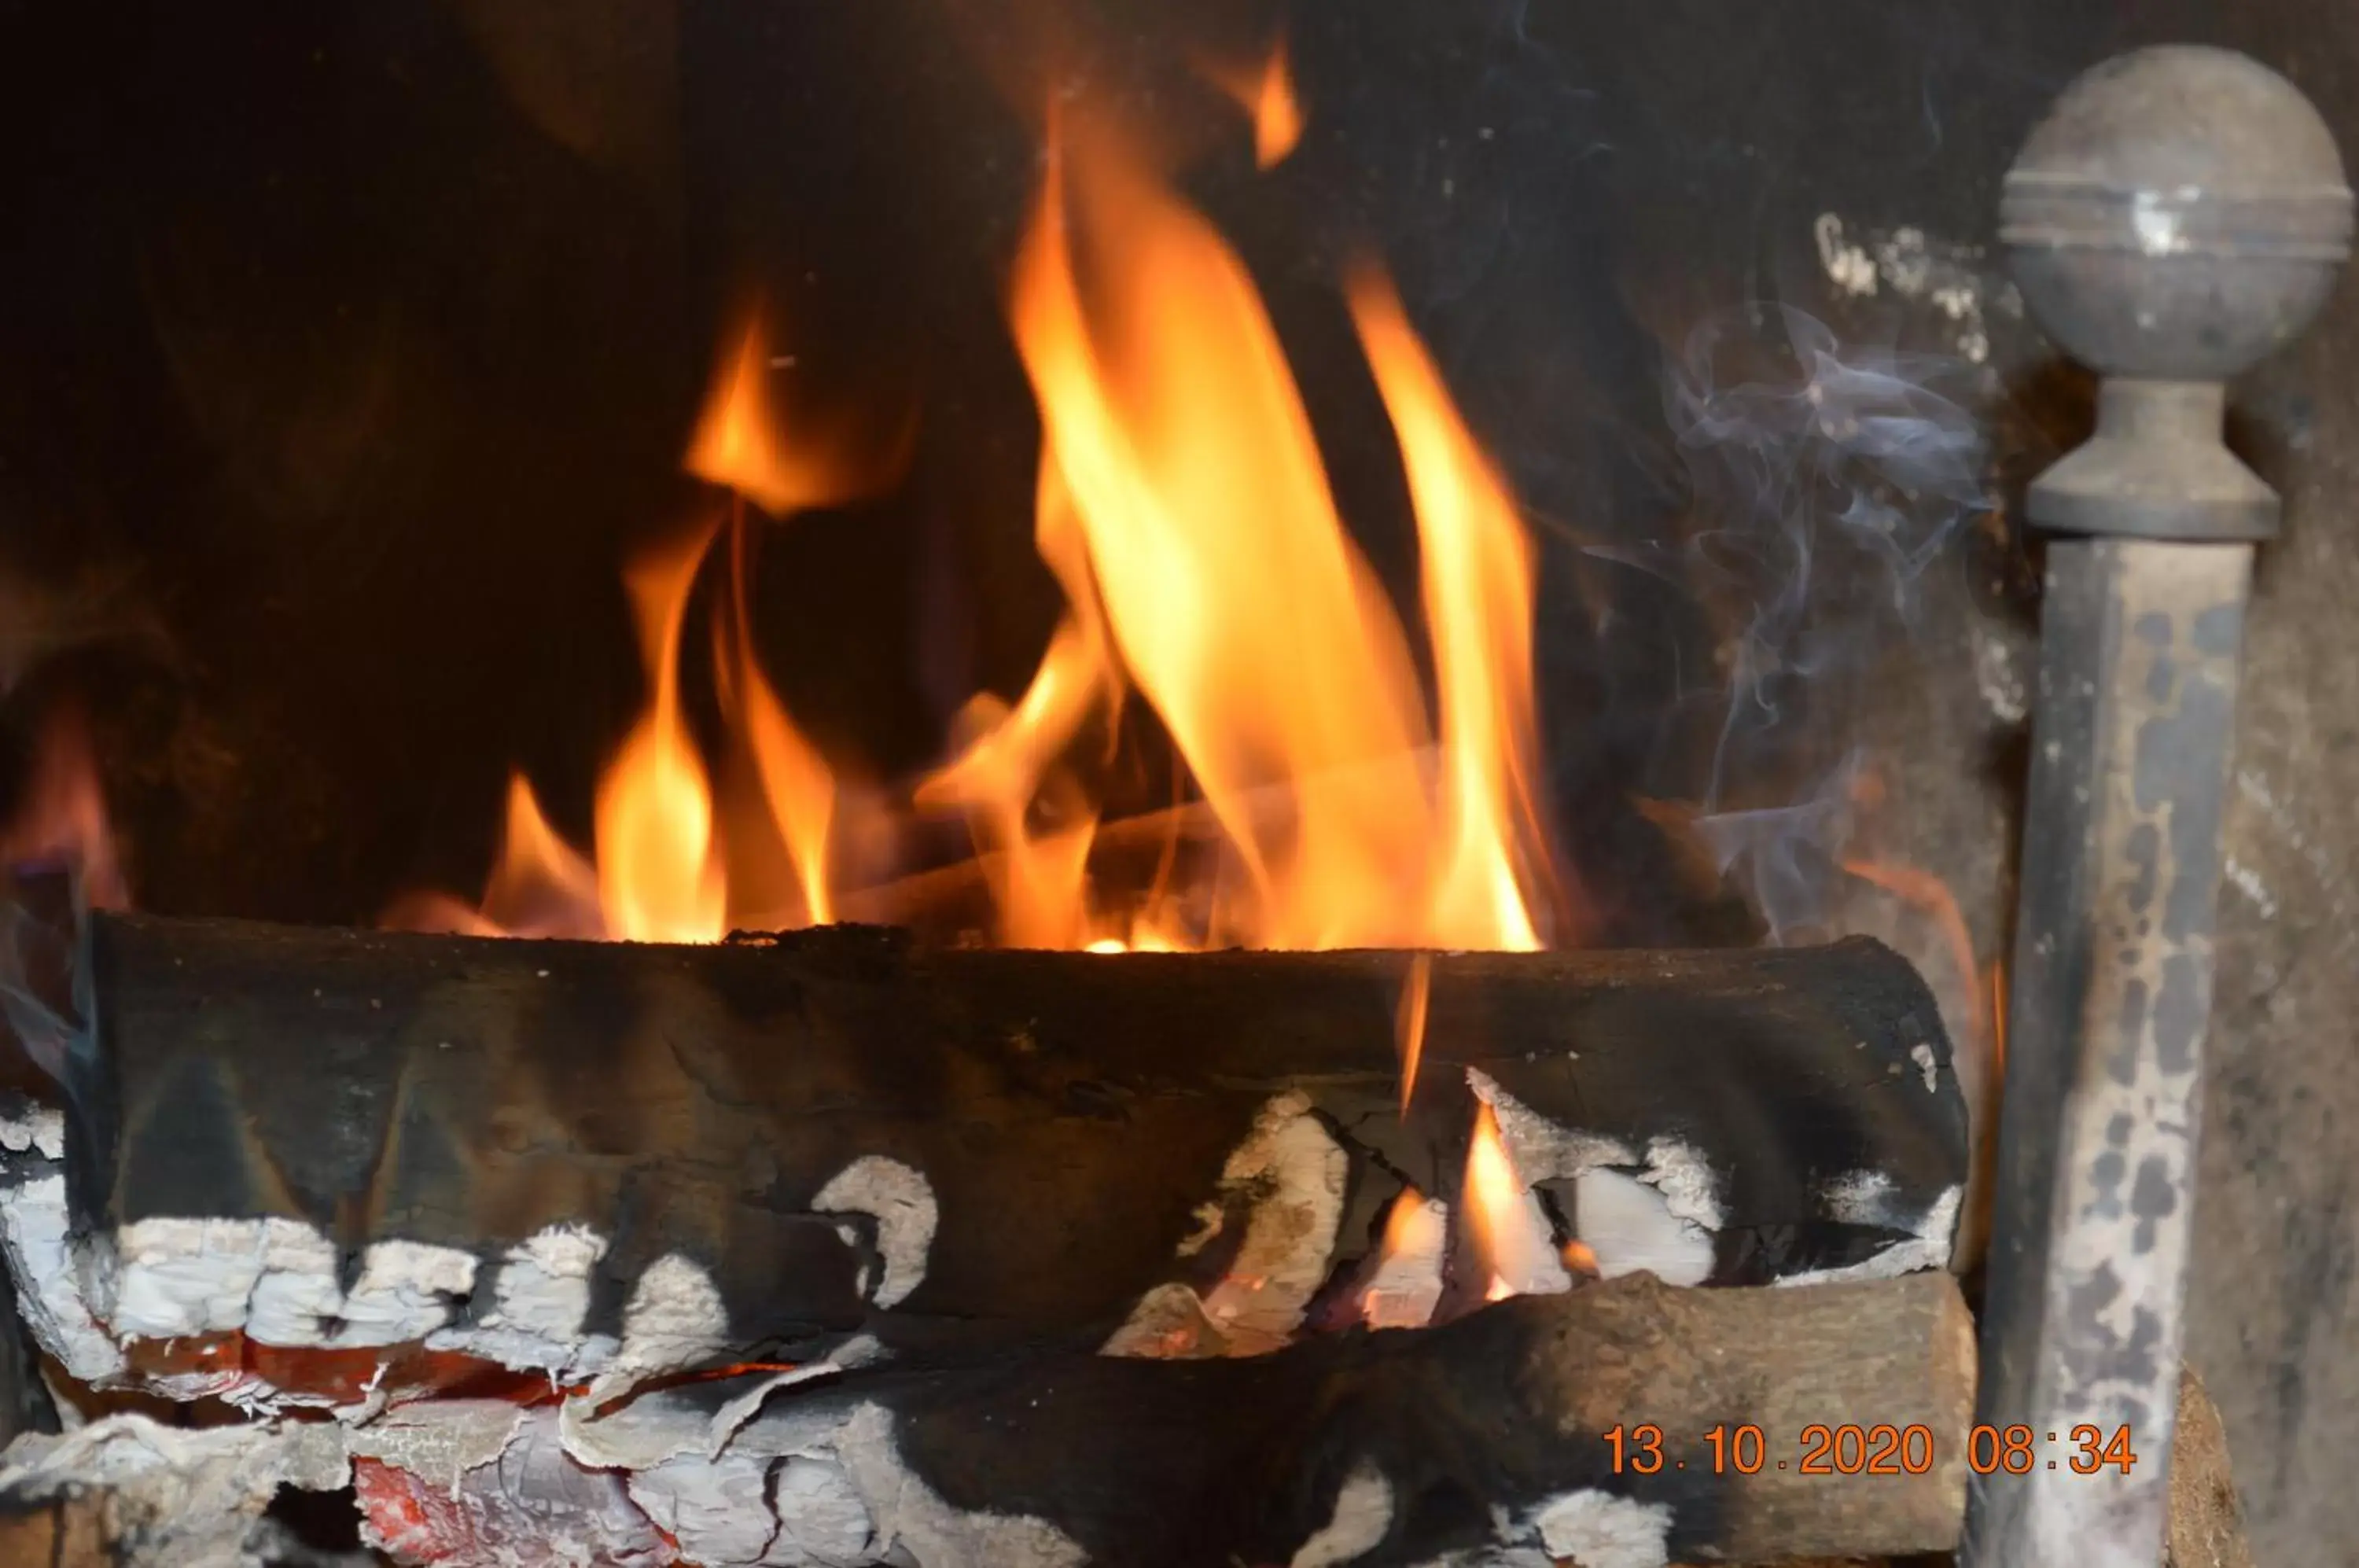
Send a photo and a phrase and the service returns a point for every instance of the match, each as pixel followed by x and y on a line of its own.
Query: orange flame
pixel 1407 1282
pixel 1215 548
pixel 1477 570
pixel 737 444
pixel 738 447
pixel 658 877
pixel 1510 1231
pixel 62 820
pixel 542 885
pixel 1266 94
pixel 664 865
pixel 797 809
pixel 1214 542
pixel 1184 511
pixel 1040 873
pixel 1408 1023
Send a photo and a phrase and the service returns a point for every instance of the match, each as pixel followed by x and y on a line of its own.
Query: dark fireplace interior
pixel 349 354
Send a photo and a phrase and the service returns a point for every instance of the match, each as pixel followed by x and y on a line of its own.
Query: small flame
pixel 738 447
pixel 668 860
pixel 542 885
pixel 1510 1231
pixel 1998 1019
pixel 61 821
pixel 1405 1284
pixel 1409 1022
pixel 1266 93
pixel 737 444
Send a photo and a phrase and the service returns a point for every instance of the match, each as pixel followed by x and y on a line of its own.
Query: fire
pixel 542 885
pixel 1477 570
pixel 1040 871
pixel 61 822
pixel 1406 1284
pixel 1183 509
pixel 737 446
pixel 659 879
pixel 1510 1231
pixel 1266 94
pixel 1409 1023
pixel 664 868
pixel 1213 546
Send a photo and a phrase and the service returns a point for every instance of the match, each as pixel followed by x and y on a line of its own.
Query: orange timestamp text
pixel 1881 1450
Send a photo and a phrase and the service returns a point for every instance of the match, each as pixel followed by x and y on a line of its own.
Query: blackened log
pixel 1486 1434
pixel 1070 1114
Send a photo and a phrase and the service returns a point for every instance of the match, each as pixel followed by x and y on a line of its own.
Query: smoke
pixel 1825 483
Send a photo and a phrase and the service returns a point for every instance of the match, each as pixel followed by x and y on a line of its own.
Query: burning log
pixel 614 1161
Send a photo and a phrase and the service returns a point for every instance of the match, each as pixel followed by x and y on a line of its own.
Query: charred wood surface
pixel 1488 1434
pixel 1071 1114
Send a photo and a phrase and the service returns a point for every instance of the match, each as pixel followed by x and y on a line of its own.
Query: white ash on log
pixel 1479 1442
pixel 611 1162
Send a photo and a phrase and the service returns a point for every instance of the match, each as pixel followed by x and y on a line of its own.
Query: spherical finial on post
pixel 2179 214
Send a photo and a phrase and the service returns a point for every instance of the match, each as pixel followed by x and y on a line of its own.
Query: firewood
pixel 2207 1523
pixel 1491 1434
pixel 770 1146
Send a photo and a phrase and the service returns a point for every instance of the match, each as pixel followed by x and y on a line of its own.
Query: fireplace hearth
pixel 1241 787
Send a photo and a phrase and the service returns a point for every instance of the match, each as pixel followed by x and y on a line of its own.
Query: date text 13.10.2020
pixel 1876 1451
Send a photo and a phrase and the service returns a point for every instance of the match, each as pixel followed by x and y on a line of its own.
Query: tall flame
pixel 658 878
pixel 1477 579
pixel 738 447
pixel 1233 596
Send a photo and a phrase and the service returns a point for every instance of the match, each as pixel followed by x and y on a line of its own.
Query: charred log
pixel 1488 1435
pixel 782 1143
